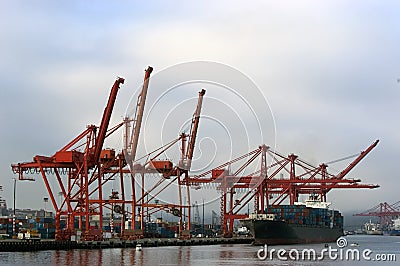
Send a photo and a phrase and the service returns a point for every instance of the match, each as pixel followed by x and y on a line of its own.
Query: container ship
pixel 394 229
pixel 308 222
pixel 371 228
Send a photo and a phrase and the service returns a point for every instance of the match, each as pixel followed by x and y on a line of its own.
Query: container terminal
pixel 388 220
pixel 77 178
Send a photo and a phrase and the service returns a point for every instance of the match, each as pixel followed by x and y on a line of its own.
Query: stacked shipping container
pixel 46 227
pixel 302 215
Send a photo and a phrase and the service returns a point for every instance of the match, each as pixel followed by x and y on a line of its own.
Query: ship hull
pixel 392 232
pixel 281 232
pixel 376 233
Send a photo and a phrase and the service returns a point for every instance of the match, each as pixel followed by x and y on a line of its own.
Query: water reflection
pixel 173 255
pixel 227 253
pixel 184 255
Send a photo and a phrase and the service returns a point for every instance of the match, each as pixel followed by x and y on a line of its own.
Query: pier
pixel 22 245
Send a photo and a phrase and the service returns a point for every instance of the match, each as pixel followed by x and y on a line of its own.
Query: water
pixel 203 255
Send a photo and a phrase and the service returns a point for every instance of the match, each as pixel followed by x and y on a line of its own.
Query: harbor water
pixel 225 254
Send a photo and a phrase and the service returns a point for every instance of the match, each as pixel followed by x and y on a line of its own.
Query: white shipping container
pixel 107 235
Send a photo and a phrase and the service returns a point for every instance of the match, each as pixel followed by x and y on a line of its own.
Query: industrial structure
pixel 286 177
pixel 82 168
pixel 384 211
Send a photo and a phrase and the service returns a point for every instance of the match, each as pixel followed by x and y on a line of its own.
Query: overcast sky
pixel 330 71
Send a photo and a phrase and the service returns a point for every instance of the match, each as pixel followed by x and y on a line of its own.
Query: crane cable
pixel 344 158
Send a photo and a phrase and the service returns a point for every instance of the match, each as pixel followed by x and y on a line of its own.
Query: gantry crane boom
pixel 193 131
pixel 356 161
pixel 343 173
pixel 106 118
pixel 137 121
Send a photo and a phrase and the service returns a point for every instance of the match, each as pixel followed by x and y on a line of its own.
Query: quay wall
pixel 23 245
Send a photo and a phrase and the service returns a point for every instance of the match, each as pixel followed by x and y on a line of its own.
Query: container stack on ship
pixel 309 222
pixel 393 229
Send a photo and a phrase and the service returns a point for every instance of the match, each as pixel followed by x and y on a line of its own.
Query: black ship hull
pixel 281 232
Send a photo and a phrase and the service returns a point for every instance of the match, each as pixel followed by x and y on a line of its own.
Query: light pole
pixel 193 217
pixel 112 213
pixel 60 194
pixel 15 196
pixel 15 190
pixel 45 199
pixel 203 219
pixel 184 214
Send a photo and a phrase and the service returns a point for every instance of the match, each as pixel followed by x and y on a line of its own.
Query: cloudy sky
pixel 330 71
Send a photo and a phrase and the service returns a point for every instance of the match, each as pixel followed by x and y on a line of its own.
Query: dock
pixel 14 245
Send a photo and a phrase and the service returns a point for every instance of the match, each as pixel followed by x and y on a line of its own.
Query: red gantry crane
pixel 286 177
pixel 75 167
pixel 82 170
pixel 170 175
pixel 386 212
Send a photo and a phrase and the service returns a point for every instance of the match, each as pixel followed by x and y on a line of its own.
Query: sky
pixel 328 70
